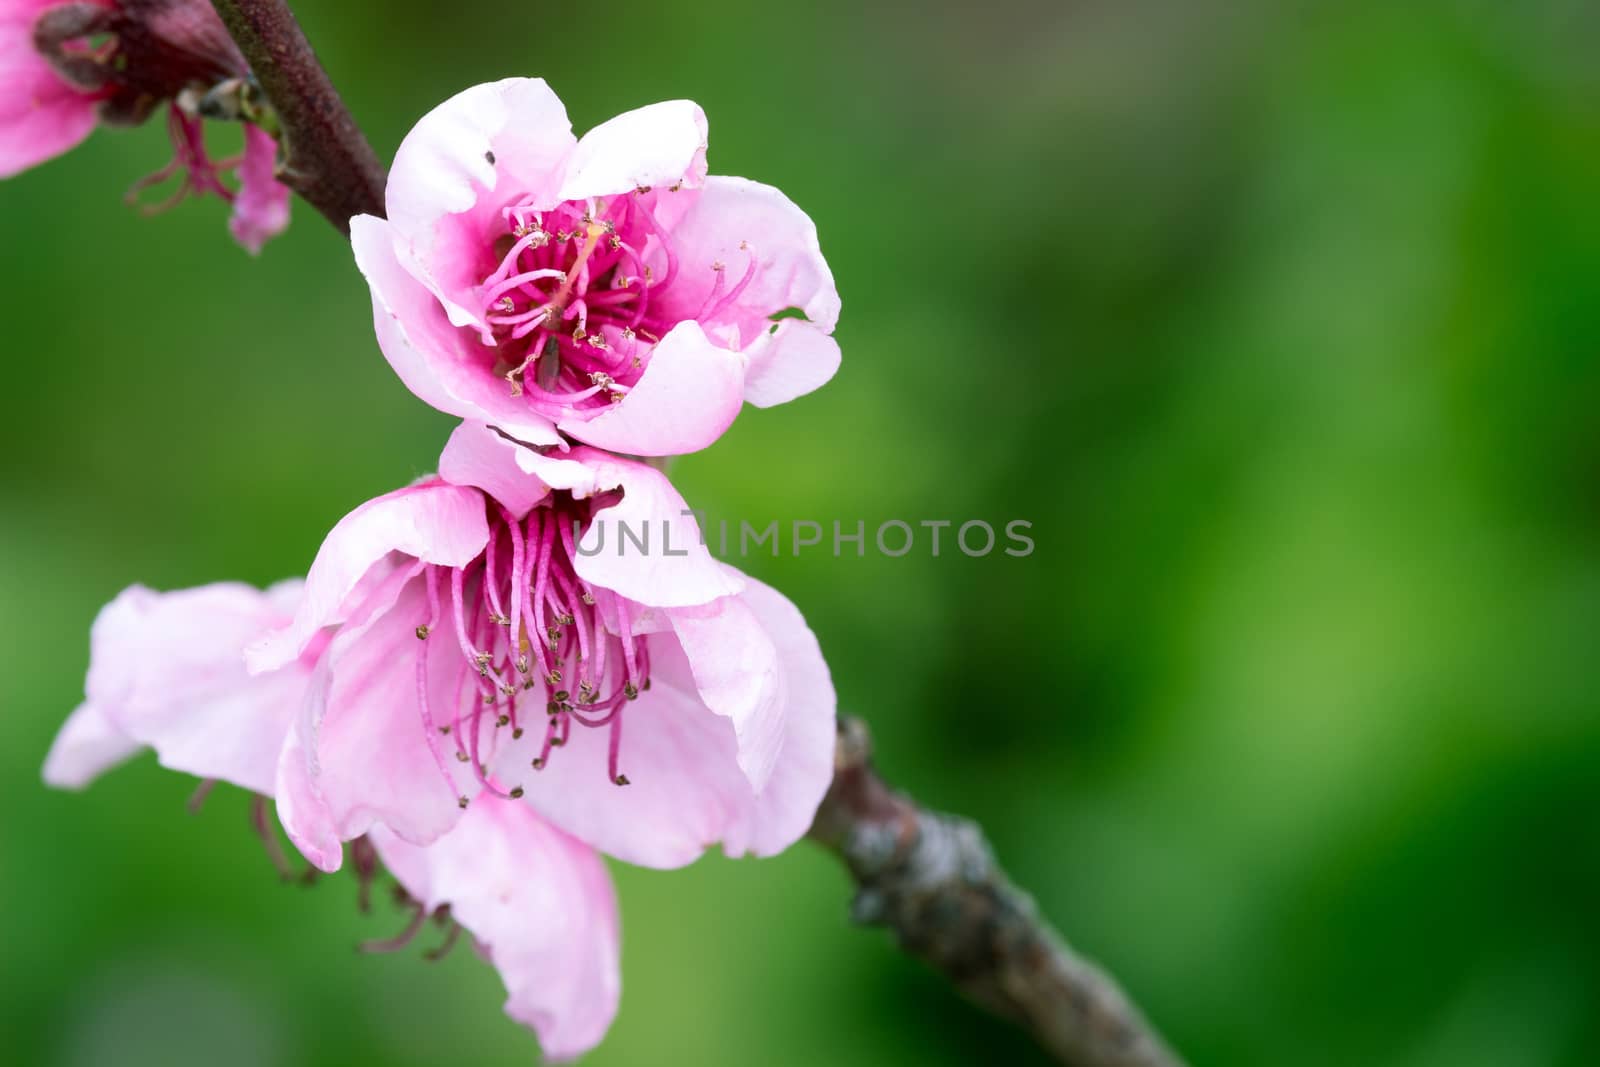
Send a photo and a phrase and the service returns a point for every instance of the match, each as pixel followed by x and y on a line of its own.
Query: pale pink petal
pixel 455 170
pixel 782 811
pixel 512 473
pixel 542 906
pixel 689 394
pixel 662 144
pixel 88 745
pixel 261 208
pixel 556 471
pixel 433 522
pixel 674 568
pixel 686 789
pixel 736 672
pixel 302 811
pixel 358 755
pixel 789 360
pixel 166 670
pixel 681 761
pixel 446 367
pixel 732 220
pixel 41 116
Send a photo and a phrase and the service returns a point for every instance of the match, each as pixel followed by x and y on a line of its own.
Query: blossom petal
pixel 303 813
pixel 358 754
pixel 681 761
pixel 661 144
pixel 41 116
pixel 512 473
pixel 261 210
pixel 88 745
pixel 458 166
pixel 673 568
pixel 732 220
pixel 686 789
pixel 443 365
pixel 782 811
pixel 542 906
pixel 433 522
pixel 477 456
pixel 789 360
pixel 167 670
pixel 690 392
pixel 734 666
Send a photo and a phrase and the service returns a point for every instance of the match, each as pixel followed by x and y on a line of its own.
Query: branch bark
pixel 933 881
pixel 327 159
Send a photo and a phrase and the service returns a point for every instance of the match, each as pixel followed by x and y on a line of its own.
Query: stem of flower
pixel 327 159
pixel 932 880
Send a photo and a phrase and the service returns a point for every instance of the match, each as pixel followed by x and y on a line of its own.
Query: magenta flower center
pixel 574 308
pixel 528 644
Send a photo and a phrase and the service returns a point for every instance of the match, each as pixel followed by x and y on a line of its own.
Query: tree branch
pixel 328 161
pixel 932 879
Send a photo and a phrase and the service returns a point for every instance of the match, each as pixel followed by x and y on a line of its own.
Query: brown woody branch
pixel 932 880
pixel 327 160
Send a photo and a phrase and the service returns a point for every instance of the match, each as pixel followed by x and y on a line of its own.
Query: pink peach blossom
pixel 67 65
pixel 492 642
pixel 167 671
pixel 604 288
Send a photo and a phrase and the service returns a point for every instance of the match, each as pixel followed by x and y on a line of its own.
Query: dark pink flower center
pixel 528 637
pixel 574 308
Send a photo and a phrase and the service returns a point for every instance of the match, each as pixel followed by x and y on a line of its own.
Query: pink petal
pixel 358 756
pixel 167 670
pixel 442 364
pixel 687 790
pixel 734 666
pixel 302 809
pixel 689 394
pixel 41 116
pixel 782 811
pixel 433 522
pixel 458 166
pixel 571 475
pixel 542 906
pixel 681 761
pixel 88 745
pixel 662 144
pixel 512 473
pixel 261 208
pixel 675 569
pixel 732 219
pixel 302 812
pixel 788 361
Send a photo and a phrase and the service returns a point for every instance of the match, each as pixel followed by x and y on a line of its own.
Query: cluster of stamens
pixel 197 173
pixel 574 307
pixel 365 858
pixel 526 633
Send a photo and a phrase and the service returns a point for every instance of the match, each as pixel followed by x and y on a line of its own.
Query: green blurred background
pixel 1279 321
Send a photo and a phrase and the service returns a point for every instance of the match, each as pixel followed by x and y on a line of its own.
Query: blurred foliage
pixel 1278 320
